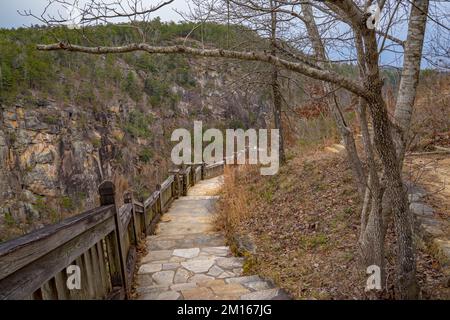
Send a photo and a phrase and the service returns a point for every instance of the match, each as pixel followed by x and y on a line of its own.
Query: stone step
pixel 192 198
pixel 196 240
pixel 194 265
pixel 195 260
pixel 235 288
pixel 186 254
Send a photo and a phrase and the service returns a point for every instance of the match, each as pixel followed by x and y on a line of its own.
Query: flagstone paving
pixel 188 260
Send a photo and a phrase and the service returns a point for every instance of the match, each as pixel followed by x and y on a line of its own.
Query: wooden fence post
pixel 193 182
pixel 144 212
pixel 118 264
pixel 184 185
pixel 159 201
pixel 176 183
pixel 203 170
pixel 128 198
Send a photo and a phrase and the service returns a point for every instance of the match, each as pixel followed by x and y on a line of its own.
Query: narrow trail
pixel 188 260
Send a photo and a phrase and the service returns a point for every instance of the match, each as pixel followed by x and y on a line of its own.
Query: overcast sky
pixel 9 18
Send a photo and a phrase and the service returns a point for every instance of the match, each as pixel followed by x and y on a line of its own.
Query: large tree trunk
pixel 372 238
pixel 395 198
pixel 276 92
pixel 277 103
pixel 410 73
pixel 390 161
pixel 372 233
pixel 384 144
pixel 402 119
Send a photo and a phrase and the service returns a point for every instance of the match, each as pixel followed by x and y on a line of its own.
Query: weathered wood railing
pixel 99 245
pixel 213 170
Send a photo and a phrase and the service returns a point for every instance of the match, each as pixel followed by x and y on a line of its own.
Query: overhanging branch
pixel 319 74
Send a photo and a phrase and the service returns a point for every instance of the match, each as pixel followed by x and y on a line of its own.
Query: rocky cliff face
pixel 54 153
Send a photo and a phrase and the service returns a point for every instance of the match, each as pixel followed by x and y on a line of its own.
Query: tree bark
pixel 384 144
pixel 276 92
pixel 408 89
pixel 410 73
pixel 372 234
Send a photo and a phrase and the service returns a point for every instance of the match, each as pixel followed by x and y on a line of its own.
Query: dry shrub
pixel 145 181
pixel 122 185
pixel 234 205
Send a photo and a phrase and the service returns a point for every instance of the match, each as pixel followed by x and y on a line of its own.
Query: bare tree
pixel 346 28
pixel 276 92
pixel 265 23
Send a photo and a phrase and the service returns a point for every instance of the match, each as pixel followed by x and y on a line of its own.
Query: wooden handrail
pixel 214 165
pixel 125 214
pixel 139 206
pixel 167 183
pixel 19 252
pixel 152 199
pixel 52 257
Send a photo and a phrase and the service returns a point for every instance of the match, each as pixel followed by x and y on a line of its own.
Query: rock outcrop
pixel 54 154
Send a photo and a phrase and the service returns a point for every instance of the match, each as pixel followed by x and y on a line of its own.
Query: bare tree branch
pixel 307 70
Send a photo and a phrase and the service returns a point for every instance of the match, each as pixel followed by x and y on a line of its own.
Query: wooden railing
pixel 101 244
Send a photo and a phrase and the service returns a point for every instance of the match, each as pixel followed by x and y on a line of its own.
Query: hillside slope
pixel 301 227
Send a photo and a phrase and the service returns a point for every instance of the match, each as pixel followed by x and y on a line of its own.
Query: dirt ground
pixel 303 225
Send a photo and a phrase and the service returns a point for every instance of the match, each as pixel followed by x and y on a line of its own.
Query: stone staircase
pixel 187 259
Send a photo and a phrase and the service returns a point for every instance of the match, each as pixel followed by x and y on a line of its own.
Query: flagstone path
pixel 188 260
